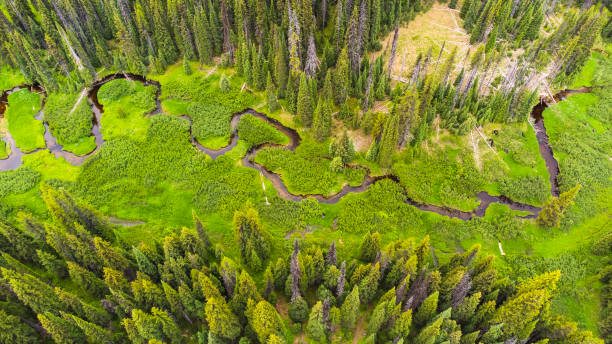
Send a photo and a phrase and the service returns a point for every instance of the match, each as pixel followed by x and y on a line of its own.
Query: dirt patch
pixel 360 329
pixel 282 307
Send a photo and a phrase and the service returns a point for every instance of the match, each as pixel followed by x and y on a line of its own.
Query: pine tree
pixel 316 326
pixel 298 310
pixel 553 210
pixel 61 330
pixel 322 120
pixel 304 103
pixel 271 94
pixel 388 141
pixel 519 312
pixel 93 332
pixel 369 247
pixel 291 96
pixel 341 78
pixel 350 309
pixel 221 321
pixel 87 280
pixel 250 235
pixel 427 310
pixel 32 292
pixel 368 286
pixel 13 330
pixel 266 321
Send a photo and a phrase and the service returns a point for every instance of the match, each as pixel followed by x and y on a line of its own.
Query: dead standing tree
pixel 393 51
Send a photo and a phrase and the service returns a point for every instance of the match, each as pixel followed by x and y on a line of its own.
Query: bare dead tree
pixel 331 256
pixel 312 61
pixel 295 272
pixel 366 103
pixel 323 12
pixel 461 290
pixel 400 293
pixel 393 51
pixel 426 64
pixel 227 44
pixel 363 18
pixel 341 279
pixel 439 56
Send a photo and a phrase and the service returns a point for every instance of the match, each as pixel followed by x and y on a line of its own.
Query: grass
pixel 125 105
pixel 432 28
pixel 26 130
pixel 3 150
pixel 10 78
pixel 82 146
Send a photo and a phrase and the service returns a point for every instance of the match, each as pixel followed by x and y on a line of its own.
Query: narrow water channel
pixel 15 159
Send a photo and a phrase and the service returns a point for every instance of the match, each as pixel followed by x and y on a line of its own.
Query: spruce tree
pixel 553 210
pixel 316 326
pixel 388 141
pixel 341 78
pixel 350 309
pixel 304 103
pixel 271 94
pixel 322 121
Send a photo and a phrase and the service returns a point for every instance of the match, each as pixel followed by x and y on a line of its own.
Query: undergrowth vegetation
pixel 69 122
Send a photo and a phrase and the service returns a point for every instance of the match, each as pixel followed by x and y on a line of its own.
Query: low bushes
pixel 255 132
pixel 530 189
pixel 68 126
pixel 18 181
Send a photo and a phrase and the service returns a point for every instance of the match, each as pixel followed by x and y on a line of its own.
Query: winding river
pixel 15 159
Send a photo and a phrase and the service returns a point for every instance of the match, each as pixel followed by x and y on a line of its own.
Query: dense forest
pixel 305 171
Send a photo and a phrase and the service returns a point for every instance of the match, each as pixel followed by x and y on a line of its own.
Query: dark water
pixel 15 159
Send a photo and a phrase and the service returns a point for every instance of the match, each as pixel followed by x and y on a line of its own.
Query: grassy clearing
pixel 26 130
pixel 125 105
pixel 432 28
pixel 10 78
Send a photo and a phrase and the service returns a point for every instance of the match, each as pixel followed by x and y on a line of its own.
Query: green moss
pixel 26 130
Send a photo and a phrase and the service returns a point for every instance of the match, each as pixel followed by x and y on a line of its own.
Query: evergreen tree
pixel 61 330
pixel 350 309
pixel 13 330
pixel 553 210
pixel 322 120
pixel 271 94
pixel 291 96
pixel 427 310
pixel 341 78
pixel 304 103
pixel 221 321
pixel 250 236
pixel 266 322
pixel 369 247
pixel 316 326
pixel 388 141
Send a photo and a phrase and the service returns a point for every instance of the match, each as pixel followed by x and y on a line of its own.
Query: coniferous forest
pixel 306 171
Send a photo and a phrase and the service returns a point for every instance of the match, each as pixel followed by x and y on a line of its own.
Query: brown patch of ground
pixel 282 307
pixel 360 331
